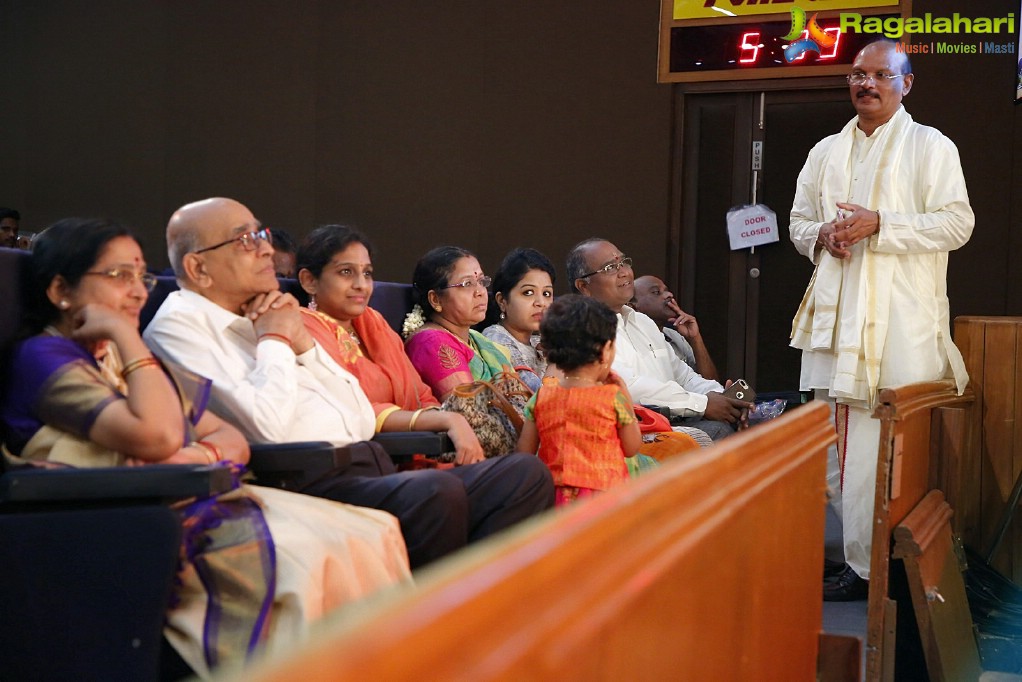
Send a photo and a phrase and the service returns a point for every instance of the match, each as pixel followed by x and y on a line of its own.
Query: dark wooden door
pixel 745 299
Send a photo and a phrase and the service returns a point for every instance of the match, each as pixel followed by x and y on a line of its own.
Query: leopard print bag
pixel 493 409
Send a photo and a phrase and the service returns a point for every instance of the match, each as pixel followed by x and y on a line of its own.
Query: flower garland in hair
pixel 413 321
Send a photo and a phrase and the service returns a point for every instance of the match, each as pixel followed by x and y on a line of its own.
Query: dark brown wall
pixel 484 124
pixel 489 125
pixel 970 99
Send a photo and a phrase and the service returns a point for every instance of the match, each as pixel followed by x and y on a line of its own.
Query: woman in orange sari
pixel 335 268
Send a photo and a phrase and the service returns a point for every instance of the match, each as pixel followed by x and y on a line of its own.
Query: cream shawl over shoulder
pixel 853 324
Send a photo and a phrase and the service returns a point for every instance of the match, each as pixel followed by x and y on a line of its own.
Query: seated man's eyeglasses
pixel 482 281
pixel 610 267
pixel 127 276
pixel 858 77
pixel 249 241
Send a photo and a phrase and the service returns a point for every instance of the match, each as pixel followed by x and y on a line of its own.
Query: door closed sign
pixel 751 226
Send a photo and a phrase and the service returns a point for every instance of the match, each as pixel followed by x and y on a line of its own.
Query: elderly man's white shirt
pixel 652 370
pixel 261 387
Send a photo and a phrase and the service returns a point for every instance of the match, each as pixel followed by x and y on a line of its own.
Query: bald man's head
pixel 886 78
pixel 218 249
pixel 187 225
pixel 651 297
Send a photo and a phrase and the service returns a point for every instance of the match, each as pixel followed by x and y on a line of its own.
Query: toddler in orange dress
pixel 581 419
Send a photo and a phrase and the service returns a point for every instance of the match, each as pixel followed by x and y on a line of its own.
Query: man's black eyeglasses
pixel 249 241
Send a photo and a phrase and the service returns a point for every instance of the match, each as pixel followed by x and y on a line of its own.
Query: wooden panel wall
pixel 488 125
pixel 992 347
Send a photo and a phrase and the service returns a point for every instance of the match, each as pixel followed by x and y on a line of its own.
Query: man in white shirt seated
pixel 654 374
pixel 230 323
pixel 653 298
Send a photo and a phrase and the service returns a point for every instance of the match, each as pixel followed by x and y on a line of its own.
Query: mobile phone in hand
pixel 740 390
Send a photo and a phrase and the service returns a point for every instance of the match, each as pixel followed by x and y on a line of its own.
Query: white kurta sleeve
pixel 805 220
pixel 934 215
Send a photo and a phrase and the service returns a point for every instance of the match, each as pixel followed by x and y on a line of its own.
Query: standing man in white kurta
pixel 877 208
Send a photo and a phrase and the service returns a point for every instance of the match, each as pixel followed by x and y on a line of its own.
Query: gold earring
pixel 438 308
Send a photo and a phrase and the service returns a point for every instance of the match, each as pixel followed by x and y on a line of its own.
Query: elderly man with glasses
pixel 877 208
pixel 654 373
pixel 230 323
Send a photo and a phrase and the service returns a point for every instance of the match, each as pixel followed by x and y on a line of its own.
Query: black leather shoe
pixel 848 586
pixel 832 569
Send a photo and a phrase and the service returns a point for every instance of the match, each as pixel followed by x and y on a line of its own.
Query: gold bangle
pixel 202 447
pixel 212 447
pixel 149 361
pixel 415 415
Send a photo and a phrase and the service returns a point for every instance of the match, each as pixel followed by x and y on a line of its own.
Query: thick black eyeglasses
pixel 249 241
pixel 610 267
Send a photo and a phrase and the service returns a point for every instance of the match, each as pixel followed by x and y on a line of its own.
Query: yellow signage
pixel 715 9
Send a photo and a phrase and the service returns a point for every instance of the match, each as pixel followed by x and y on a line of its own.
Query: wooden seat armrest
pixel 401 445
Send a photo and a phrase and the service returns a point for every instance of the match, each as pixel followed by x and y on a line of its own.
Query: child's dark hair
pixel 575 329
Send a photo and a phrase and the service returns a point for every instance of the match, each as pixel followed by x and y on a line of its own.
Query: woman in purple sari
pixel 84 391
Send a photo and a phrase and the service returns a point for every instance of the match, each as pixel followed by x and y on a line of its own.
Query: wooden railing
pixel 708 569
pixel 924 430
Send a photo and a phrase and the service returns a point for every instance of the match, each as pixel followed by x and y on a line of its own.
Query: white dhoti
pixel 858 448
pixel 328 554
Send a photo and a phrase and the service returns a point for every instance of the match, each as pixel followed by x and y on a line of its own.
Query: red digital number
pixel 750 50
pixel 832 52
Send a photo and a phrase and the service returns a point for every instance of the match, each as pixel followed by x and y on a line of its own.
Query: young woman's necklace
pixel 578 378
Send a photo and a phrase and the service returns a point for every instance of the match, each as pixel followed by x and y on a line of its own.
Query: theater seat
pixel 87 563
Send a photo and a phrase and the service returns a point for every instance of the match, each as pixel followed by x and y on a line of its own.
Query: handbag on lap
pixel 493 409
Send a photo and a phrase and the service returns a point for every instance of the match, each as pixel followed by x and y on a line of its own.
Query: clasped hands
pixel 839 235
pixel 278 313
